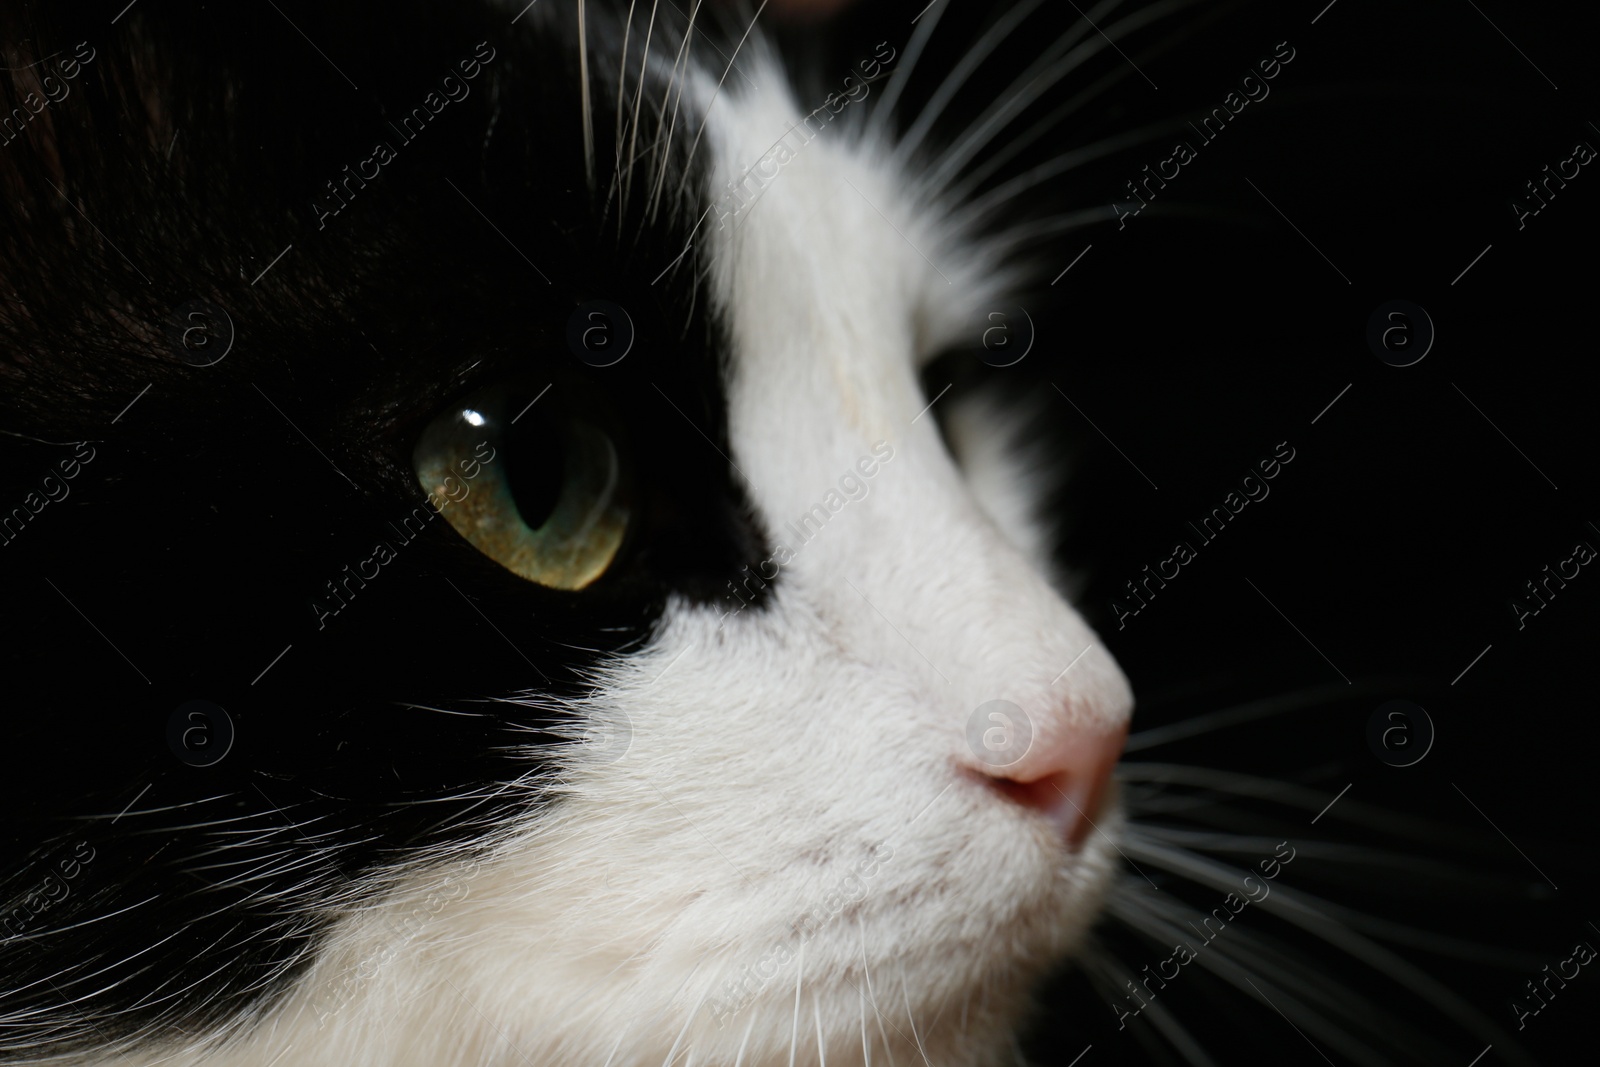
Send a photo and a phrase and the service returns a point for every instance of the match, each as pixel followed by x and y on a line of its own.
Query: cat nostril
pixel 1066 781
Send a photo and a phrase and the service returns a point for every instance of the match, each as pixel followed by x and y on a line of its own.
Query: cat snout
pixel 1061 773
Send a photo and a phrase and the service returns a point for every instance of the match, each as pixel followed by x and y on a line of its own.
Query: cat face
pixel 774 735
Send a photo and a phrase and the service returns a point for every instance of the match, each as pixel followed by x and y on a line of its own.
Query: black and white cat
pixel 499 590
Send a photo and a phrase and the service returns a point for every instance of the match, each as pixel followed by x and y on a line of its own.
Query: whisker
pixel 1299 909
pixel 799 974
pixel 1452 875
pixel 622 78
pixel 1099 966
pixel 1033 82
pixel 744 1041
pixel 953 81
pixel 906 998
pixel 1220 961
pixel 1290 795
pixel 816 1013
pixel 1060 164
pixel 866 1047
pixel 588 115
pixel 866 974
pixel 901 74
pixel 1052 122
pixel 678 79
pixel 1273 961
pixel 1256 709
pixel 695 147
pixel 638 98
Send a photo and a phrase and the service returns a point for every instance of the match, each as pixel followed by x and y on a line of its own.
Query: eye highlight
pixel 546 492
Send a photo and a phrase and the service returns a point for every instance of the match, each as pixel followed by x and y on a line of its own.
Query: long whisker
pixel 1253 710
pixel 1063 48
pixel 1034 82
pixel 1416 867
pixel 1266 958
pixel 588 115
pixel 816 1014
pixel 1221 961
pixel 906 998
pixel 901 74
pixel 866 1046
pixel 1066 161
pixel 695 147
pixel 1100 967
pixel 1290 795
pixel 678 79
pixel 638 96
pixel 1301 909
pixel 970 61
pixel 738 1060
pixel 993 161
pixel 799 974
pixel 622 78
pixel 866 974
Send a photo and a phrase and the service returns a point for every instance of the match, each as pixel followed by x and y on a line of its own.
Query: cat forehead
pixel 822 249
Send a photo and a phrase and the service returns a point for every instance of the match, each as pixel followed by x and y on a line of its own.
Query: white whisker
pixel 695 147
pixel 1034 82
pixel 638 98
pixel 588 115
pixel 884 110
pixel 1000 31
pixel 679 78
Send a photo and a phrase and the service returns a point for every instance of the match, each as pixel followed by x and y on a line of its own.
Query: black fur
pixel 193 555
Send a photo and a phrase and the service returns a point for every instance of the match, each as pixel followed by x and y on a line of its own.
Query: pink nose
pixel 1062 777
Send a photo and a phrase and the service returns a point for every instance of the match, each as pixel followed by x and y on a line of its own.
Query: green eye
pixel 543 492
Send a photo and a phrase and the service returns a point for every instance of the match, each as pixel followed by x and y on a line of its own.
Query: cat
pixel 511 586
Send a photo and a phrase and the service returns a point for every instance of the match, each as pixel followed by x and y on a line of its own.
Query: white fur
pixel 773 749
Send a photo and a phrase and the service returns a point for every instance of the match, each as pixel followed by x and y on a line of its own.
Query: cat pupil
pixel 536 467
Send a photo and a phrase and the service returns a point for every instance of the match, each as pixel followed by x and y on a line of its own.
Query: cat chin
pixel 455 969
